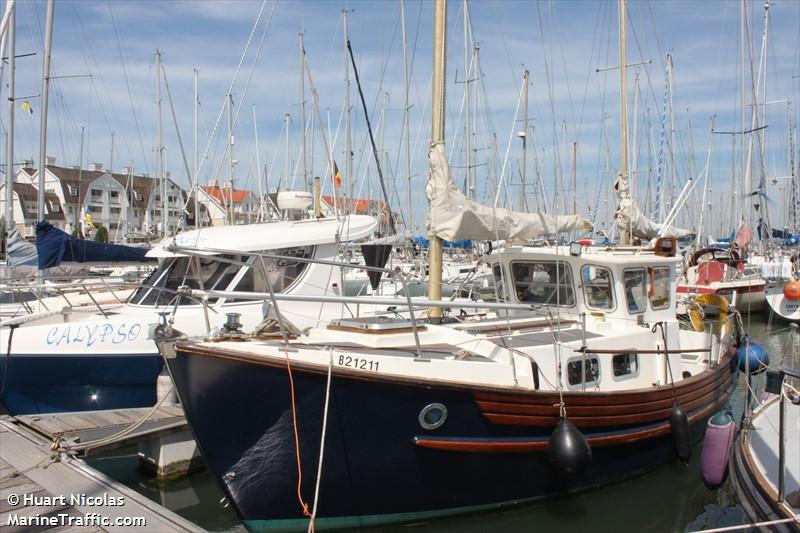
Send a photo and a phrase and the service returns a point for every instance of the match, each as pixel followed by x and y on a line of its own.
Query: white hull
pixel 780 305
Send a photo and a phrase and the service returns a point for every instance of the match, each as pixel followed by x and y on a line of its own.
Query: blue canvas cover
pixel 55 246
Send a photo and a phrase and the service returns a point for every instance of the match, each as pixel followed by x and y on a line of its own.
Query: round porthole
pixel 433 416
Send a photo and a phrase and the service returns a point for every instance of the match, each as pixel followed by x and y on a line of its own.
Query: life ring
pixel 707 305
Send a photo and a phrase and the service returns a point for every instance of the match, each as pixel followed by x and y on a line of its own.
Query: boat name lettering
pixel 91 335
pixel 358 363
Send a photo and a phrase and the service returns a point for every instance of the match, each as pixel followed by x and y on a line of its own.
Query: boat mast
pixel 161 174
pixel 524 137
pixel 10 139
pixel 306 180
pixel 469 188
pixel 624 234
pixel 409 225
pixel 196 156
pixel 48 43
pixel 437 137
pixel 230 159
pixel 348 162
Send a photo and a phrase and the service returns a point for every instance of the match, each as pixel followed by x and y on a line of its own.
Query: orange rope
pixel 303 504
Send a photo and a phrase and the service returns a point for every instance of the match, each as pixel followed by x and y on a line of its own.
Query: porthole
pixel 432 416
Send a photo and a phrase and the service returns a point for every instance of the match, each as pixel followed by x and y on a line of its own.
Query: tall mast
pixel 524 137
pixel 48 43
pixel 258 168
pixel 10 140
pixel 230 159
pixel 348 162
pixel 306 180
pixel 624 233
pixel 162 176
pixel 286 118
pixel 196 184
pixel 468 186
pixel 745 188
pixel 437 137
pixel 409 225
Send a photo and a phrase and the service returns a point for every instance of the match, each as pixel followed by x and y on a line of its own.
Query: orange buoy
pixel 792 290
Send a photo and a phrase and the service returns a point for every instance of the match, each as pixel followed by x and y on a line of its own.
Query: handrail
pixel 414 302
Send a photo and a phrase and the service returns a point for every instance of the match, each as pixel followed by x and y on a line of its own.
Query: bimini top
pixel 268 235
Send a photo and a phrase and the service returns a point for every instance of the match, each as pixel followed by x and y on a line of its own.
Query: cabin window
pixel 196 273
pixel 583 371
pixel 598 287
pixel 659 287
pixel 499 286
pixel 548 283
pixel 625 364
pixel 635 294
pixel 282 272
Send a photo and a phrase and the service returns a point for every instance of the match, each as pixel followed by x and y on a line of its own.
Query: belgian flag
pixel 337 177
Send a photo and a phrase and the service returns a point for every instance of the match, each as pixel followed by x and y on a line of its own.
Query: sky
pixel 103 65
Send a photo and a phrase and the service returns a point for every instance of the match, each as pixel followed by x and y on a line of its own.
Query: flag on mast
pixel 337 177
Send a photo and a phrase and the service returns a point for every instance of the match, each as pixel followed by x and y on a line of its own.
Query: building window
pixel 598 287
pixel 625 364
pixel 158 198
pixel 73 190
pixel 95 208
pixel 547 283
pixel 115 210
pixel 171 199
pixel 137 196
pixel 55 208
pixel 96 194
pixel 583 371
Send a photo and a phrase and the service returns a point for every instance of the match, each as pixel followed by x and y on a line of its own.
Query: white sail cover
pixel 452 216
pixel 630 218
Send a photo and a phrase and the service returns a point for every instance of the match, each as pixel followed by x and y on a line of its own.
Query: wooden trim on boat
pixel 614 398
pixel 598 410
pixel 601 420
pixel 538 445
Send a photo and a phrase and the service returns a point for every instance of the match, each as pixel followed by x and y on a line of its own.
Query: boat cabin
pixel 628 283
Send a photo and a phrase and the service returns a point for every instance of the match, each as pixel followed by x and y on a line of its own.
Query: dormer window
pixel 73 190
pixel 137 196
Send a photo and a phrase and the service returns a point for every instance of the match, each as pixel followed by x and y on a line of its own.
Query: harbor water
pixel 670 499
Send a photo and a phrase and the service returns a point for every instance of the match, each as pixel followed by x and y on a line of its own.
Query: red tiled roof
pixel 222 195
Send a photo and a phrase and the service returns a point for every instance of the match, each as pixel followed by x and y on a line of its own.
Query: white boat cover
pixel 452 216
pixel 629 217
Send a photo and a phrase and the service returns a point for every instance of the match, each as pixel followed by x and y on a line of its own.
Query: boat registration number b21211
pixel 358 363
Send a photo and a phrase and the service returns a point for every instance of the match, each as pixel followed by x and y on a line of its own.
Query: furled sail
pixel 629 218
pixel 452 216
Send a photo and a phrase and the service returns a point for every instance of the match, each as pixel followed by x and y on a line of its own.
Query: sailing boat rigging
pixel 379 418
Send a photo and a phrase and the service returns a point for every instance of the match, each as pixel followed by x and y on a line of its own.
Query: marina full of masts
pixel 403 314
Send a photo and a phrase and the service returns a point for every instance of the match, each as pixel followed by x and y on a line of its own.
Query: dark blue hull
pixel 374 469
pixel 77 382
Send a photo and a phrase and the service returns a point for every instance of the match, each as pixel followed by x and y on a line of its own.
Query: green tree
pixel 101 233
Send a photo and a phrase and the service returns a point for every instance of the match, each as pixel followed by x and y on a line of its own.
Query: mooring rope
pixel 322 441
